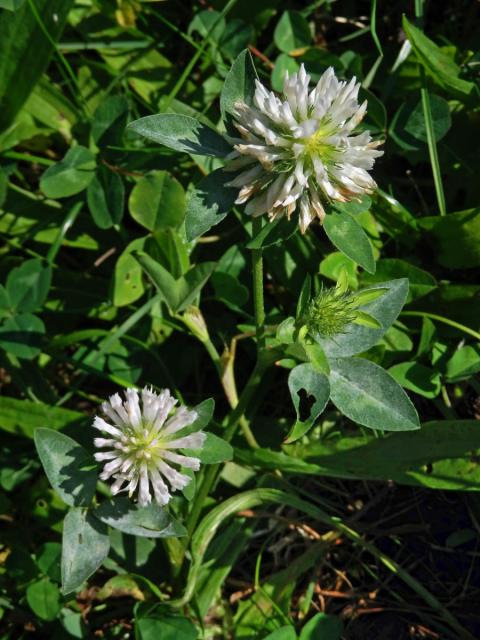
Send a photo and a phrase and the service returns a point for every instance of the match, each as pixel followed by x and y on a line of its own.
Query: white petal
pixel 144 497
pixel 102 425
pixel 182 418
pixel 177 480
pixel 192 441
pixel 184 461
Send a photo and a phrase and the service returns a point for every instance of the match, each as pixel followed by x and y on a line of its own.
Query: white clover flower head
pixel 142 442
pixel 299 149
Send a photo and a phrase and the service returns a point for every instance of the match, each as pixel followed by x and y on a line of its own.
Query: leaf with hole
pixel 316 388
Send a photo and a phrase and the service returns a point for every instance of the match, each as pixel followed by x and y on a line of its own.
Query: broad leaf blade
pixel 85 546
pixel 316 385
pixel 68 467
pixel 150 522
pixel 347 235
pixel 367 394
pixel 182 133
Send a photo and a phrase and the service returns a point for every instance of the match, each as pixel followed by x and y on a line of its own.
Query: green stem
pixel 188 69
pixel 451 323
pixel 258 302
pixel 431 141
pixel 65 226
pixel 233 422
pixel 230 391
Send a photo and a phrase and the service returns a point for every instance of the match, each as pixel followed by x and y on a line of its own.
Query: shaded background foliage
pixel 79 195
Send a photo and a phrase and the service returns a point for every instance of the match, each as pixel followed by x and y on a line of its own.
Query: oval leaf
pixel 317 387
pixel 149 522
pixel 368 395
pixel 85 545
pixel 182 133
pixel 67 465
pixel 157 201
pixel 71 175
pixel 347 235
pixel 384 309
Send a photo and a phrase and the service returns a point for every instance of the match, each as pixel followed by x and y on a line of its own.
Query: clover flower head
pixel 330 313
pixel 142 442
pixel 299 150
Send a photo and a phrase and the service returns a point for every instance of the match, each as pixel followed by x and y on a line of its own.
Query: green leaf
pixel 275 232
pixel 68 466
pixel 48 560
pixel 408 124
pixel 348 237
pixel 283 64
pixel 182 133
pixel 208 23
pixel 316 386
pixel 235 38
pixel 43 598
pixel 109 121
pixel 209 202
pixel 368 395
pixel 292 32
pixel 22 335
pixel 418 378
pixel 284 633
pixel 353 207
pixel 464 226
pixel 239 84
pixel 158 624
pixel 420 282
pixel 28 285
pixel 22 417
pixel 385 309
pixel 335 263
pixel 214 450
pixel 178 294
pixel 441 67
pixel 11 5
pixel 157 201
pixel 439 456
pixel 322 627
pixel 152 521
pixel 366 320
pixel 162 279
pixel 127 276
pixel 85 545
pixel 71 175
pixel 106 198
pixel 304 297
pixel 26 50
pixel 441 120
pixel 464 363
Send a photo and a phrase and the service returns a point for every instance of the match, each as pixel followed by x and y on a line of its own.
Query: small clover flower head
pixel 298 151
pixel 329 313
pixel 333 310
pixel 141 443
